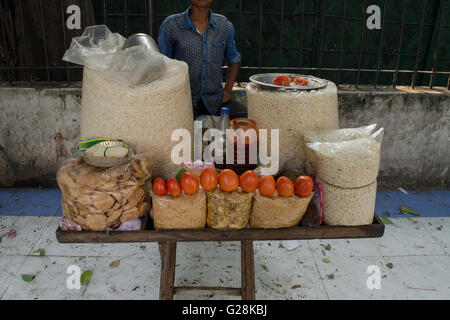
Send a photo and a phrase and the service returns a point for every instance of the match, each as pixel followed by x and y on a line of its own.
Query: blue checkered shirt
pixel 179 39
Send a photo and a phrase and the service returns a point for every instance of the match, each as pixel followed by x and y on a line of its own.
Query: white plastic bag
pixel 335 135
pixel 101 50
pixel 348 164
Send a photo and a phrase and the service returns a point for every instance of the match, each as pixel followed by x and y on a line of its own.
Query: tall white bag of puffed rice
pixel 347 170
pixel 291 112
pixel 134 94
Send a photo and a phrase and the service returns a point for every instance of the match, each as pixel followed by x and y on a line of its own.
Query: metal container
pixel 265 80
pixel 140 39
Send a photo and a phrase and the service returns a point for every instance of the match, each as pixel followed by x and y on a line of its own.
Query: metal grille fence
pixel 321 37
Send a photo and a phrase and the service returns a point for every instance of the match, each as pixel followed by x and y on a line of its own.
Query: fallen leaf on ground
pixel 114 264
pixel 264 267
pixel 420 247
pixel 405 209
pixel 326 260
pixel 330 276
pixel 385 220
pixel 390 265
pixel 28 277
pixel 296 286
pixel 11 234
pixel 85 276
pixel 41 252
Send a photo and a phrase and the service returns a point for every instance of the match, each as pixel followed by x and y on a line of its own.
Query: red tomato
pixel 249 181
pixel 159 187
pixel 304 185
pixel 189 183
pixel 301 81
pixel 266 186
pixel 173 186
pixel 228 180
pixel 282 80
pixel 209 179
pixel 285 187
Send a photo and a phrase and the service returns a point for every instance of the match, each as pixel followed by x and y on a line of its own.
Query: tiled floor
pixel 314 269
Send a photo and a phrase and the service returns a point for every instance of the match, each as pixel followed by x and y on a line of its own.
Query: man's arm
pixel 232 73
pixel 164 45
pixel 233 59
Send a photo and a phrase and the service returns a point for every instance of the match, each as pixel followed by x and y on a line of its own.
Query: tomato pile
pixel 285 80
pixel 229 181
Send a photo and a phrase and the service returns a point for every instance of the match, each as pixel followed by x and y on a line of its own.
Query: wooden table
pixel 167 240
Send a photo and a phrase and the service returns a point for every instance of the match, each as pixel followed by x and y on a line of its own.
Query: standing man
pixel 204 40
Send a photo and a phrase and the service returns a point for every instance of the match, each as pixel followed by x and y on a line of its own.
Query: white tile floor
pixel 417 248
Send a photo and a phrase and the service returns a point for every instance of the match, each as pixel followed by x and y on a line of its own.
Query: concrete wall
pixel 40 126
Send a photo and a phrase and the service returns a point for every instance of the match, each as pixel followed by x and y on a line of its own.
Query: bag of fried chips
pixel 100 198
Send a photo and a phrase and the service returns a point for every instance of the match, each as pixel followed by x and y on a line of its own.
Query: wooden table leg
pixel 247 270
pixel 168 252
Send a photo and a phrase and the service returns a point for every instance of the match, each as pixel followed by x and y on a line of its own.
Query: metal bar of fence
pixel 315 31
pixel 147 24
pixel 380 45
pixel 341 44
pixel 345 51
pixel 254 68
pixel 322 31
pixel 150 17
pixel 281 36
pixel 361 41
pixel 349 18
pixel 419 44
pixel 240 24
pixel 44 36
pixel 436 48
pixel 104 12
pixel 64 35
pixel 125 4
pixel 348 69
pixel 84 10
pixel 260 35
pixel 302 17
pixel 5 42
pixel 24 37
pixel 395 80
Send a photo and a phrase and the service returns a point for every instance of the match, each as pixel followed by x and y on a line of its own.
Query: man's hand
pixel 232 72
pixel 226 95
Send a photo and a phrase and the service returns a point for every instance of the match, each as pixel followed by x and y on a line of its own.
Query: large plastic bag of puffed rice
pixel 348 164
pixel 135 94
pixel 335 135
pixel 290 112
